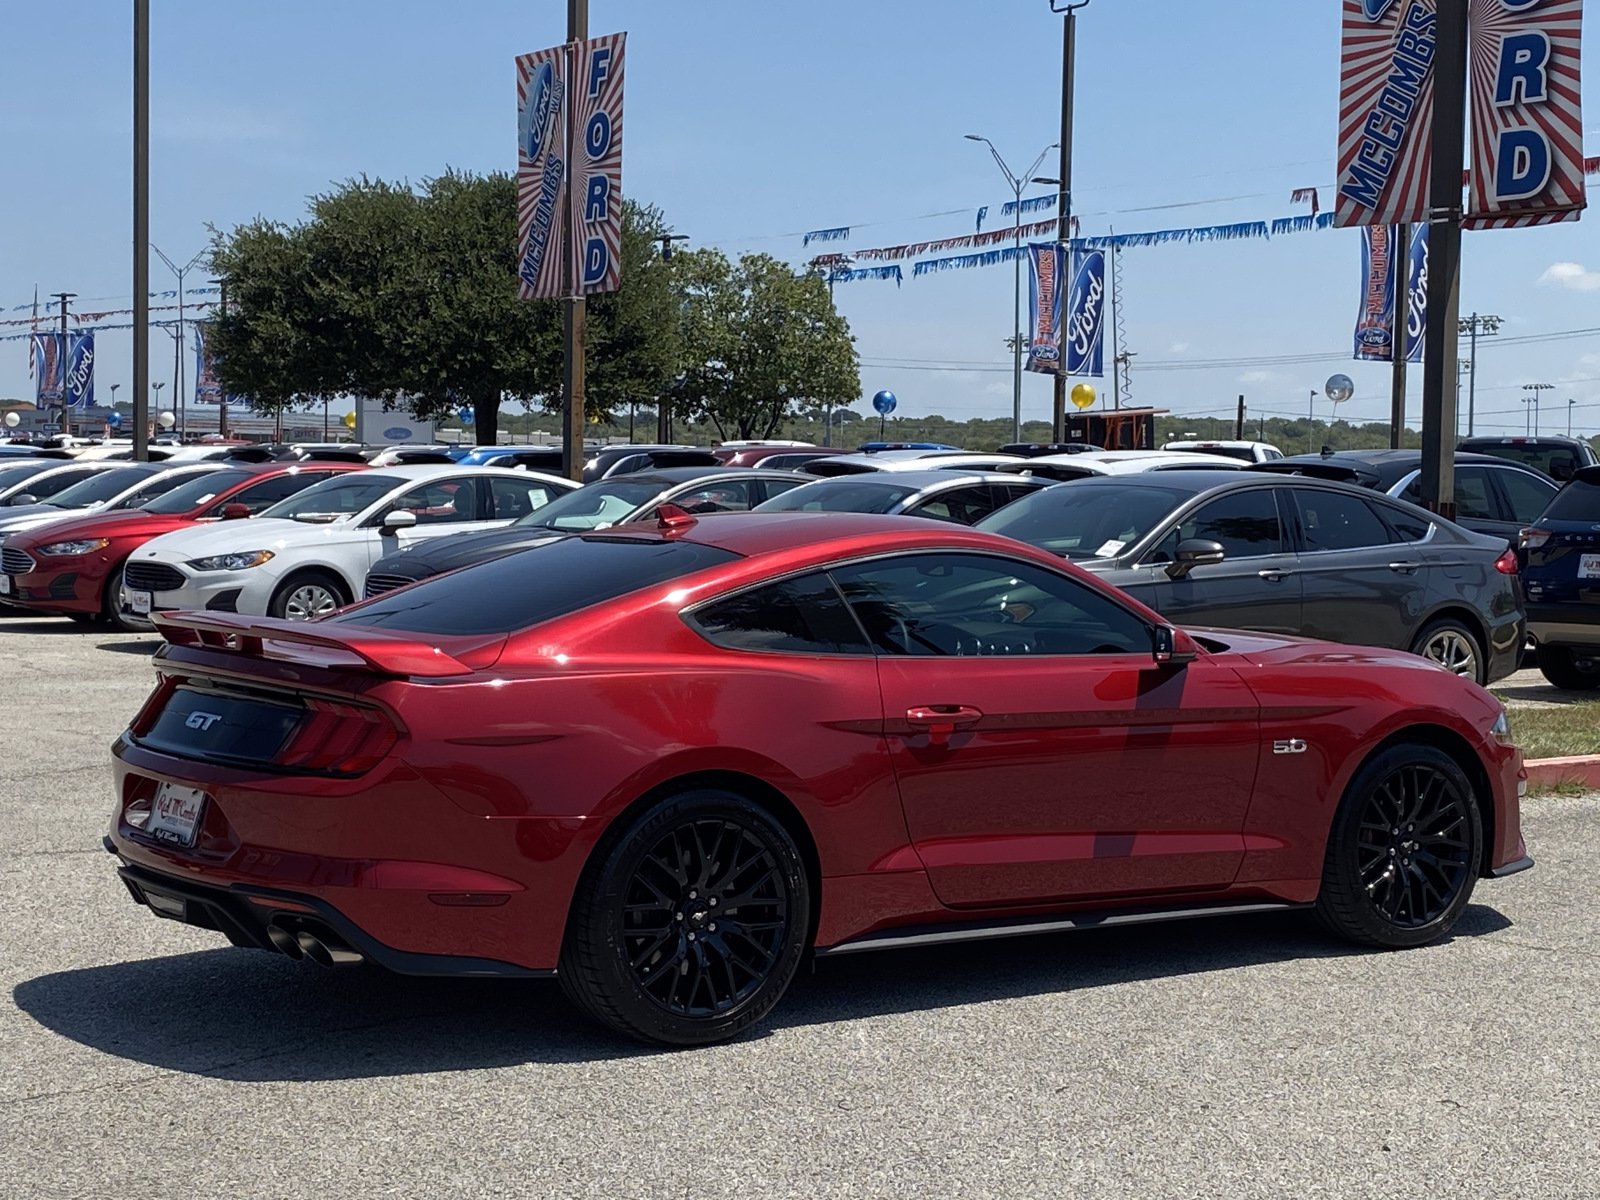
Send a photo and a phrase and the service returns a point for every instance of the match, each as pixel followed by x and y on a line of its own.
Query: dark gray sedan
pixel 1288 554
pixel 962 497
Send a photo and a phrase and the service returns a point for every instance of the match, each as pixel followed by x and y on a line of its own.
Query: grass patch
pixel 1557 731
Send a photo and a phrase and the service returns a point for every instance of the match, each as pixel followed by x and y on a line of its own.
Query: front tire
pixel 1404 850
pixel 307 596
pixel 689 925
pixel 1454 647
pixel 1561 667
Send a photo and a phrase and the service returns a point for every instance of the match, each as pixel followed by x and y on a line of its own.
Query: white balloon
pixel 12 420
pixel 166 420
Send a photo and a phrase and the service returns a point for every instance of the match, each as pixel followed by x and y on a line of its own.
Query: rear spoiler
pixel 1336 472
pixel 383 653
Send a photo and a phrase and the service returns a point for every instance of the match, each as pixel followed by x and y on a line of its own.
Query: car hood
pixel 258 533
pixel 30 516
pixel 121 524
pixel 439 555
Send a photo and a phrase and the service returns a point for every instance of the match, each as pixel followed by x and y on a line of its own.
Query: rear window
pixel 1578 501
pixel 535 585
pixel 1558 462
pixel 841 497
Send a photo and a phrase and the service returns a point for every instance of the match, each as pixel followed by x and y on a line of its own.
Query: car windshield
pixel 521 590
pixel 844 496
pixel 99 487
pixel 335 499
pixel 593 507
pixel 1578 501
pixel 1086 520
pixel 197 491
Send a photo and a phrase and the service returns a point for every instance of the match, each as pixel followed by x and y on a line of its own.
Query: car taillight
pixel 1533 539
pixel 341 739
pixel 1506 564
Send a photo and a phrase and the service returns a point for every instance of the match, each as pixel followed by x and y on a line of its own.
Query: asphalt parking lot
pixel 1251 1058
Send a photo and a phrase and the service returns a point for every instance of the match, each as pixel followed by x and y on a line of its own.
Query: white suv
pixel 1250 452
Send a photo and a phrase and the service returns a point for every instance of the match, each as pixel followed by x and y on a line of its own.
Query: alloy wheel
pixel 309 601
pixel 1454 651
pixel 1414 846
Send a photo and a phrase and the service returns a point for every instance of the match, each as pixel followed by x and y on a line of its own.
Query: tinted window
pixel 512 498
pixel 268 492
pixel 540 584
pixel 964 506
pixel 842 496
pixel 157 487
pixel 342 496
pixel 440 502
pixel 1407 526
pixel 16 473
pixel 192 493
pixel 1527 496
pixel 726 495
pixel 1330 521
pixel 1474 498
pixel 1245 524
pixel 47 486
pixel 1576 502
pixel 805 615
pixel 777 487
pixel 967 604
pixel 1086 520
pixel 1559 462
pixel 99 487
pixel 594 506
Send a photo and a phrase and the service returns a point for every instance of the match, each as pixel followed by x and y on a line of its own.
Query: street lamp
pixel 666 240
pixel 177 349
pixel 1570 403
pixel 1311 417
pixel 1534 389
pixel 1017 183
pixel 1069 55
pixel 155 401
pixel 1473 325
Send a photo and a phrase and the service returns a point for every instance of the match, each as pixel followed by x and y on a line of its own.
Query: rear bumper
pixel 1565 624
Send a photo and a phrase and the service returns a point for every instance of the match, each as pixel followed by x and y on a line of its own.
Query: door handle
pixel 1272 575
pixel 939 721
pixel 1404 568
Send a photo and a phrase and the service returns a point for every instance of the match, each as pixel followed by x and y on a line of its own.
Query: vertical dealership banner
pixel 80 370
pixel 49 362
pixel 1086 312
pixel 1044 307
pixel 569 133
pixel 1385 111
pixel 207 388
pixel 1374 341
pixel 1416 293
pixel 1527 120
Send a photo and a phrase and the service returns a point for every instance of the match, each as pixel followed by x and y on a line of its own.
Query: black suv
pixel 1560 560
pixel 1558 457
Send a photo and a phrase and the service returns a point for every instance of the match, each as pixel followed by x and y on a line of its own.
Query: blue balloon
pixel 884 402
pixel 115 420
pixel 467 415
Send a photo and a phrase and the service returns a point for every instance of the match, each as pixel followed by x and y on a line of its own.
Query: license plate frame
pixel 176 812
pixel 1589 566
pixel 139 603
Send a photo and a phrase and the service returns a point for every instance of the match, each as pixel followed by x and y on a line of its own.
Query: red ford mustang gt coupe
pixel 73 567
pixel 666 763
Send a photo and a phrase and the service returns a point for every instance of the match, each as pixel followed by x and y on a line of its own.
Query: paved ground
pixel 1245 1059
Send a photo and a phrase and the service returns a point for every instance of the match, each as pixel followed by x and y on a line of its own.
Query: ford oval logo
pixel 535 116
pixel 1374 9
pixel 1374 337
pixel 398 434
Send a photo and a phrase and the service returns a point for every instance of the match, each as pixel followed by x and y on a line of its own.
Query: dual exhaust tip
pixel 322 949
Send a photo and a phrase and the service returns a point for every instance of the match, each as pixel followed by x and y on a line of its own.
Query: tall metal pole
pixel 141 229
pixel 66 409
pixel 1069 55
pixel 574 311
pixel 222 392
pixel 1400 253
pixel 1116 353
pixel 1444 252
pixel 1311 416
pixel 1570 403
pixel 1016 318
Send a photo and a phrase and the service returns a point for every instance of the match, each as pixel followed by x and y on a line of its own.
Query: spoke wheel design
pixel 1413 846
pixel 1453 650
pixel 308 601
pixel 705 917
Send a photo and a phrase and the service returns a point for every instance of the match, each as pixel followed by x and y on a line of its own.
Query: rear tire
pixel 1454 647
pixel 1404 850
pixel 688 926
pixel 307 595
pixel 1560 666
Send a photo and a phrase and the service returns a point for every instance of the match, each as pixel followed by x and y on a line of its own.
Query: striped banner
pixel 597 161
pixel 1527 116
pixel 1385 111
pixel 541 171
pixel 49 367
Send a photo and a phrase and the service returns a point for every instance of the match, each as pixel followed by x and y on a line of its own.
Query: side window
pixel 444 502
pixel 48 486
pixel 730 496
pixel 777 487
pixel 962 506
pixel 1005 493
pixel 798 616
pixel 1474 498
pixel 1245 523
pixel 269 491
pixel 931 605
pixel 512 498
pixel 1332 521
pixel 1406 526
pixel 1526 497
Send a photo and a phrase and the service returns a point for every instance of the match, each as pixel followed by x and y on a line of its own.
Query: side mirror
pixel 235 512
pixel 25 498
pixel 394 522
pixel 1172 647
pixel 1195 552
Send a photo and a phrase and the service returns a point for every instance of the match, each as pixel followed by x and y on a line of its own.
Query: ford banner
pixel 48 361
pixel 541 171
pixel 1374 340
pixel 80 370
pixel 1385 111
pixel 1044 307
pixel 1417 294
pixel 1086 323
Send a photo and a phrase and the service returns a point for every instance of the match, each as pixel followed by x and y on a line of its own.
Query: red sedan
pixel 73 567
pixel 666 763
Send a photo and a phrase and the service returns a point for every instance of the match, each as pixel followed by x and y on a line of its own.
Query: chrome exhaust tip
pixel 284 941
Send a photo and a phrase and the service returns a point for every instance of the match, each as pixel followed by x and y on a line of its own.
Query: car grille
pixel 152 577
pixel 16 562
pixel 377 585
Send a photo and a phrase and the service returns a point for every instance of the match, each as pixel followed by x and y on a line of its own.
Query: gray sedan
pixel 958 496
pixel 1288 555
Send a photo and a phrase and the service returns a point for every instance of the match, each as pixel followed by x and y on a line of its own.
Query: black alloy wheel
pixel 1404 851
pixel 689 929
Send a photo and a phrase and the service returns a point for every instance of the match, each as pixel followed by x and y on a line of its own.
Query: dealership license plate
pixel 175 814
pixel 1589 566
pixel 5 585
pixel 139 602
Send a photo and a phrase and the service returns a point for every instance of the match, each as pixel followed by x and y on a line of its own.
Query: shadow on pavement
pixel 1544 693
pixel 148 645
pixel 251 1016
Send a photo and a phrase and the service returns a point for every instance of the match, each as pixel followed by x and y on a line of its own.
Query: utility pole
pixel 1238 422
pixel 1570 403
pixel 222 392
pixel 1444 249
pixel 1069 55
pixel 141 230
pixel 1311 417
pixel 1399 253
pixel 574 310
pixel 66 360
pixel 1463 366
pixel 1472 326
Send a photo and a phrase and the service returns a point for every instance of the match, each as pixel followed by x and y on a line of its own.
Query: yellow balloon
pixel 350 420
pixel 1083 395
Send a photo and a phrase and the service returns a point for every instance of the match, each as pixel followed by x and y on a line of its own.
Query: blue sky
pixel 749 122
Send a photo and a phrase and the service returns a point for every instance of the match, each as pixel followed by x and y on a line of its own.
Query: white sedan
pixel 1062 467
pixel 307 555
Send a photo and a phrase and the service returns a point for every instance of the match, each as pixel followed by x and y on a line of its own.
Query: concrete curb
pixel 1582 769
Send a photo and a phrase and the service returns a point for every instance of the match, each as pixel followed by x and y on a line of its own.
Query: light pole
pixel 115 386
pixel 830 267
pixel 1472 326
pixel 1311 417
pixel 1069 56
pixel 1535 389
pixel 1570 403
pixel 177 370
pixel 1463 366
pixel 155 401
pixel 1017 184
